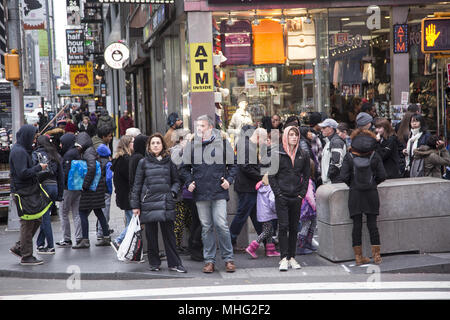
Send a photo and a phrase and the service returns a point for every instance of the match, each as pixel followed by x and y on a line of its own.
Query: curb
pixel 91 276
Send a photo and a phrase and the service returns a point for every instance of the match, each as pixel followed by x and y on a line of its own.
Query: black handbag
pixel 32 202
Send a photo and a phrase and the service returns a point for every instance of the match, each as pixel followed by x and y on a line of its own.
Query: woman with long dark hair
pixel 387 147
pixel 52 180
pixel 418 137
pixel 155 188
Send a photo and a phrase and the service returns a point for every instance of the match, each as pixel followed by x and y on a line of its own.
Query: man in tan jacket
pixel 174 122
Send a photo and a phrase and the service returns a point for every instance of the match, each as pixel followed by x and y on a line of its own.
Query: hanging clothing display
pixel 236 42
pixel 337 74
pixel 301 40
pixel 268 43
pixel 368 73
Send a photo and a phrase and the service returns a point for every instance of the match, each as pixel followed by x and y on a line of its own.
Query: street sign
pixel 201 67
pixel 401 38
pixel 116 54
pixel 75 47
pixel 34 14
pixel 82 79
pixel 73 12
pixel 436 35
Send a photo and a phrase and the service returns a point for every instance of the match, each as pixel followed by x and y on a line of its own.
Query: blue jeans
pixel 128 216
pixel 246 208
pixel 46 232
pixel 214 214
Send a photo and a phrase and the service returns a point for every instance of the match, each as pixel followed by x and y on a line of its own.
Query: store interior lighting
pixel 230 21
pixel 255 20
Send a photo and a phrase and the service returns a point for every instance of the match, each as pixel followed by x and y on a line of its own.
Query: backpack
pixel 362 171
pixel 417 168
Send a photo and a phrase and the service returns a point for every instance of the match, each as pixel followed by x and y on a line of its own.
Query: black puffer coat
pixel 155 187
pixel 91 199
pixel 367 201
pixel 121 179
pixel 388 151
pixel 249 173
pixel 291 180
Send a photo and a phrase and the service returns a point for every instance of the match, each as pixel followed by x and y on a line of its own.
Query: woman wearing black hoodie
pixel 139 146
pixel 363 196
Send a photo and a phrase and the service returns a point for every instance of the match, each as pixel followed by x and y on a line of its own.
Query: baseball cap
pixel 329 123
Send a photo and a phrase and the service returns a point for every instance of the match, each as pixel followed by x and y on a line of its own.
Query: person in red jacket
pixel 125 122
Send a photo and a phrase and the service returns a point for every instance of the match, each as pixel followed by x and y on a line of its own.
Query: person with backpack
pixel 52 181
pixel 362 170
pixel 91 200
pixel 105 161
pixel 431 158
pixel 23 174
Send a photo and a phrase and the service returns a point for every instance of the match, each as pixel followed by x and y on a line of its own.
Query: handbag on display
pixel 236 42
pixel 268 43
pixel 32 202
pixel 301 40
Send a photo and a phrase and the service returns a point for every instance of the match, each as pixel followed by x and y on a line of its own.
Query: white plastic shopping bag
pixel 131 247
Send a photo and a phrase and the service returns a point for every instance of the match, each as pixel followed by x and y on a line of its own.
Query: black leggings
pixel 371 225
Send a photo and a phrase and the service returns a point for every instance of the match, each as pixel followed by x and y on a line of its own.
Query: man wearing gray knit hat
pixel 364 121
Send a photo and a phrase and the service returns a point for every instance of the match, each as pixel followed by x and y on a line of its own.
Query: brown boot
pixel 376 254
pixel 359 258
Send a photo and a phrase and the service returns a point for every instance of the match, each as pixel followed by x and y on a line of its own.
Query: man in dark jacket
pixel 24 174
pixel 249 174
pixel 208 170
pixel 91 200
pixel 71 198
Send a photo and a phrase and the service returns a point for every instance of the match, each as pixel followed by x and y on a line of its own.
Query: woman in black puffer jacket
pixel 155 188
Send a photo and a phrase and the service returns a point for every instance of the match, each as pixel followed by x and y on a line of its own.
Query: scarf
pixel 412 145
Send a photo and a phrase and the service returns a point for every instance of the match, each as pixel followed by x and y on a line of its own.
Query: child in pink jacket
pixel 265 213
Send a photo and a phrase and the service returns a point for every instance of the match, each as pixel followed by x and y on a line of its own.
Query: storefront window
pixel 271 59
pixel 423 67
pixel 359 62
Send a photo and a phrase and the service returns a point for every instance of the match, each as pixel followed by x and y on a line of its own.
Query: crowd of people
pixel 160 179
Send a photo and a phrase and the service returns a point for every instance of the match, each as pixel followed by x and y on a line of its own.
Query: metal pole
pixel 17 113
pixel 14 42
pixel 50 58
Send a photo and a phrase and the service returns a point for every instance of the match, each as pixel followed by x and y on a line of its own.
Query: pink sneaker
pixel 251 249
pixel 270 250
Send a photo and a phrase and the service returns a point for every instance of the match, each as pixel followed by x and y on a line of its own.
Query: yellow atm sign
pixel 436 35
pixel 202 77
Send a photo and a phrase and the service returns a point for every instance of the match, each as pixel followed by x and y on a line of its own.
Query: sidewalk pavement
pixel 100 263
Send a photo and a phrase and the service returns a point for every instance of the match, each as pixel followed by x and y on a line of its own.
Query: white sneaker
pixel 294 264
pixel 284 265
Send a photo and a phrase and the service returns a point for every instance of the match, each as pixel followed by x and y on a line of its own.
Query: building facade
pixel 198 57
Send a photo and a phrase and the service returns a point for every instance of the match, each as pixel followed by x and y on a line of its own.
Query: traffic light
pixel 12 66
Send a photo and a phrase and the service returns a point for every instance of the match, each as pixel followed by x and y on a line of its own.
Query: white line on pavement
pixel 239 289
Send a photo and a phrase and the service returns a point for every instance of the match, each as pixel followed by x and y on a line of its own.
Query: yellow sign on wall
pixel 82 79
pixel 202 78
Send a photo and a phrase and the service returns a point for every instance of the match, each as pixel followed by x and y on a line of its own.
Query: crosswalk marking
pixel 265 290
